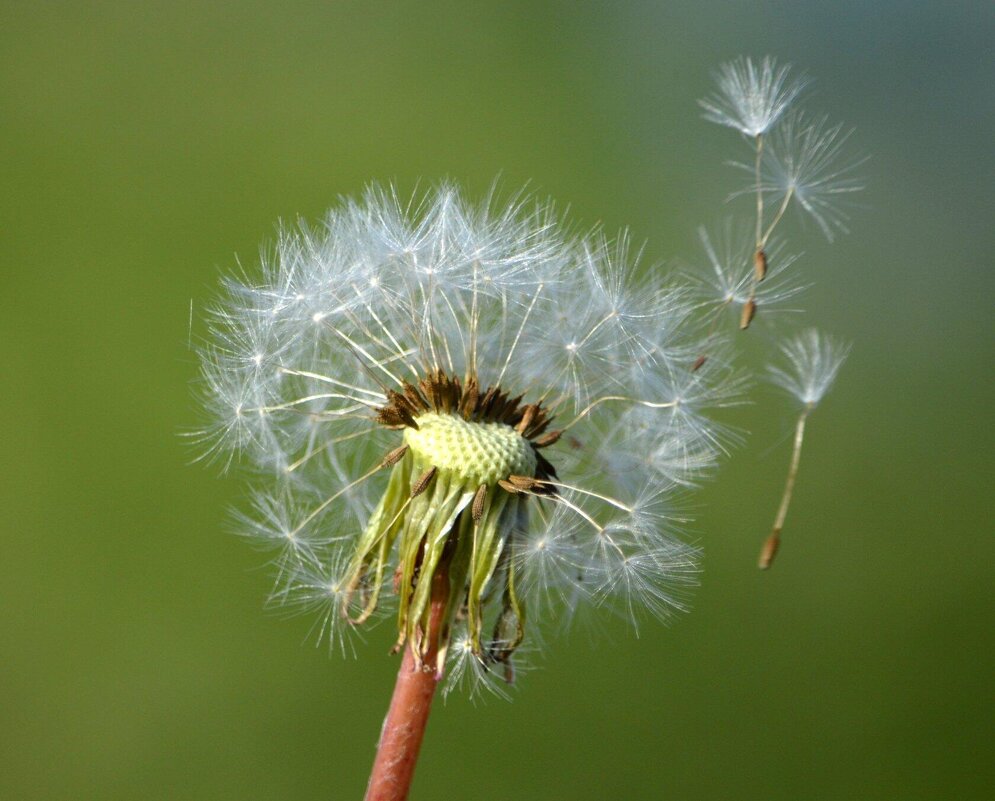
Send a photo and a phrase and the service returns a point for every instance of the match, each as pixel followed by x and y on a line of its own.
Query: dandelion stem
pixel 759 147
pixel 404 726
pixel 777 217
pixel 751 306
pixel 773 542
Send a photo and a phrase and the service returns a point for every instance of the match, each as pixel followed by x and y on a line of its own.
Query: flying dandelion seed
pixel 813 362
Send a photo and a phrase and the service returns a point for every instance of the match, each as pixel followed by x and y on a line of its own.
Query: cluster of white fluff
pixel 726 280
pixel 386 291
pixel 752 97
pixel 812 360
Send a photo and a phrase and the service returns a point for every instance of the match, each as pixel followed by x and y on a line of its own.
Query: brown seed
pixel 398 408
pixel 484 404
pixel 407 418
pixel 428 391
pixel 511 410
pixel 414 397
pixel 522 482
pixel 477 509
pixel 698 363
pixel 760 265
pixel 539 425
pixel 423 481
pixel 749 312
pixel 394 456
pixel 387 416
pixel 769 551
pixel 527 417
pixel 507 486
pixel 470 397
pixel 548 439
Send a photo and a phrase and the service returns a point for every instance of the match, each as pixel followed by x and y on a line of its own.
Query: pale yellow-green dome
pixel 478 453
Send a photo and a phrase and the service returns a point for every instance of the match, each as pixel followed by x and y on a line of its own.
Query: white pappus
pixel 441 387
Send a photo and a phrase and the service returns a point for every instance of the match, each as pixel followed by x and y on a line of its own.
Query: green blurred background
pixel 144 145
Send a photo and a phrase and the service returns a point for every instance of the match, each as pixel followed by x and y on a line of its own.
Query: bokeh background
pixel 144 146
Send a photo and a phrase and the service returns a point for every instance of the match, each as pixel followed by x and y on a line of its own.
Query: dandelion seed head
pixel 433 384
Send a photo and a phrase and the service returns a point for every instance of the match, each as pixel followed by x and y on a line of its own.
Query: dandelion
pixel 469 420
pixel 464 416
pixel 813 361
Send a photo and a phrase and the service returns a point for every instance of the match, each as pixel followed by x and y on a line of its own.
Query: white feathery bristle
pixel 729 283
pixel 813 362
pixel 805 158
pixel 751 97
pixel 302 356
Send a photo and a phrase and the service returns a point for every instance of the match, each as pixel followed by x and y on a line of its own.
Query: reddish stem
pixel 404 726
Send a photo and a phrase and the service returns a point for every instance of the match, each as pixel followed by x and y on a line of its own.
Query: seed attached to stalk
pixel 748 313
pixel 760 265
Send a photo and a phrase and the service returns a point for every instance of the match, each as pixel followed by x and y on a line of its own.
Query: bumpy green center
pixel 479 453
